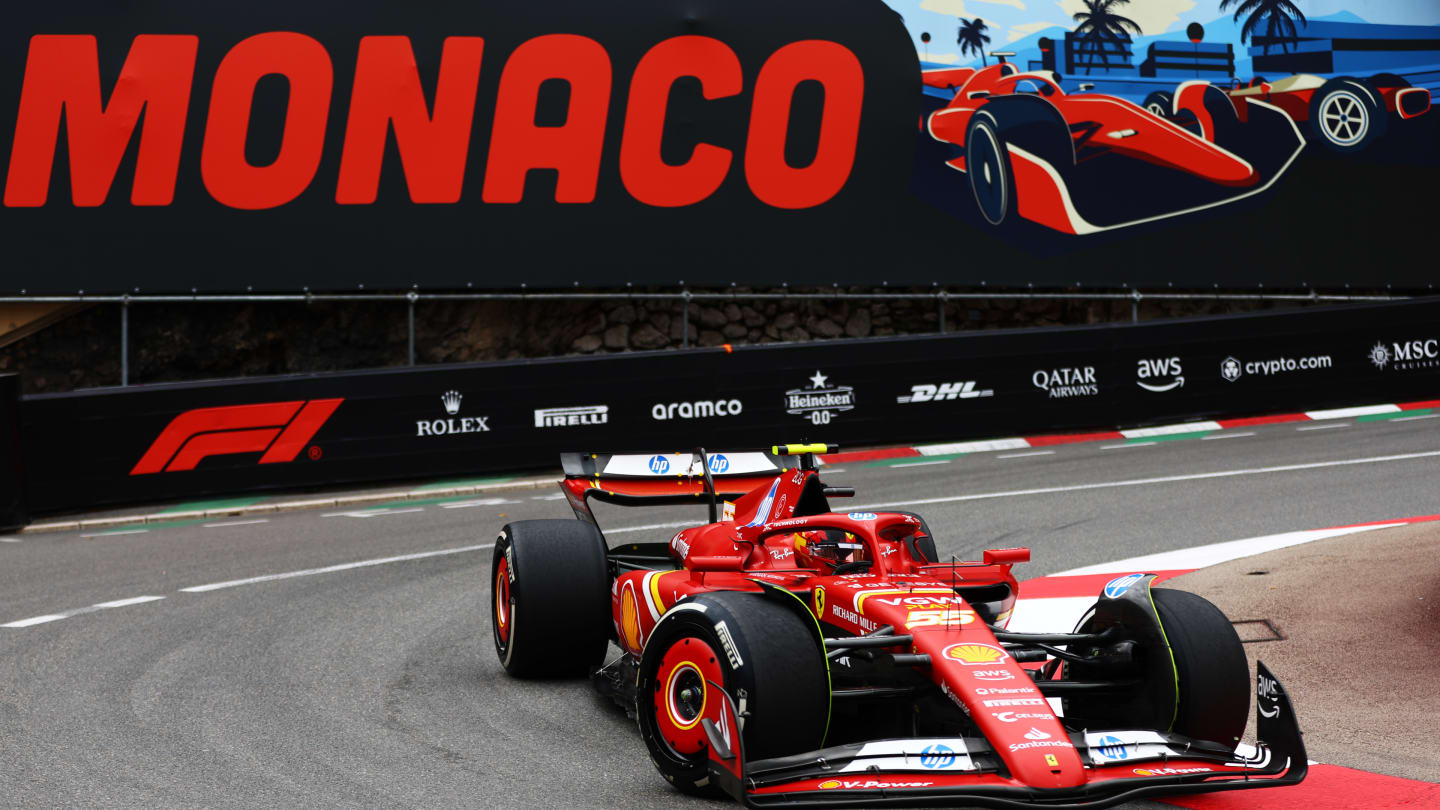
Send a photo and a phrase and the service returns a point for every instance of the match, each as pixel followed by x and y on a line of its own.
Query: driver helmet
pixel 827 547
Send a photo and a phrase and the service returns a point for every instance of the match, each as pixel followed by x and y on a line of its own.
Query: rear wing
pixel 680 477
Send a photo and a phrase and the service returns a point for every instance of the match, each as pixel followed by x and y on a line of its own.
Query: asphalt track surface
pixel 377 686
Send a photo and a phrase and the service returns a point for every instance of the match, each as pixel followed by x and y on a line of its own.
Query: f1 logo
pixel 280 430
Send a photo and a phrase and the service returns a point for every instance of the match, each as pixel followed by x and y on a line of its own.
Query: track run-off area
pixel 342 658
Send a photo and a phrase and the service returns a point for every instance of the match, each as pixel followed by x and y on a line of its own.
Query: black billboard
pixel 270 146
pixel 174 440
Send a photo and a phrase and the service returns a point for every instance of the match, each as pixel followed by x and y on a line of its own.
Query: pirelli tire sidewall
pixel 556 619
pixel 770 667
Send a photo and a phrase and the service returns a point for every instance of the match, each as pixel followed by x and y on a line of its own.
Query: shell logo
pixel 830 784
pixel 630 619
pixel 973 654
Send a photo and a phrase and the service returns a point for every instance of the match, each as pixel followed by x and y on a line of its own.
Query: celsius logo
pixel 937 756
pixel 820 402
pixel 659 465
pixel 1066 382
pixel 1165 372
pixel 1408 354
pixel 445 427
pixel 280 430
pixel 943 391
pixel 703 409
pixel 568 417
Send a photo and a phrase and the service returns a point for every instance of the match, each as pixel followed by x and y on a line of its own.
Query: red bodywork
pixel 1293 94
pixel 1098 122
pixel 754 546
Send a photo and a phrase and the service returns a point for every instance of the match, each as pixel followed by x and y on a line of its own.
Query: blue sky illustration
pixel 1015 23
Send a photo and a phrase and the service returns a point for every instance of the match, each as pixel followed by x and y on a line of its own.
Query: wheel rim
pixel 503 605
pixel 683 696
pixel 1344 118
pixel 987 175
pixel 1154 108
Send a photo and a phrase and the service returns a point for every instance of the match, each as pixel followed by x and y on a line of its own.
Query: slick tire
pixel 987 162
pixel 550 603
pixel 1160 104
pixel 1213 677
pixel 1346 115
pixel 764 656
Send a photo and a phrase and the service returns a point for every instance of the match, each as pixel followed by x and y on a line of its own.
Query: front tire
pixel 1345 116
pixel 764 656
pixel 987 162
pixel 550 603
pixel 1212 673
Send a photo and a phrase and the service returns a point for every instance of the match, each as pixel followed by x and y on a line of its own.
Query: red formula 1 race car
pixel 785 654
pixel 1088 162
pixel 1345 114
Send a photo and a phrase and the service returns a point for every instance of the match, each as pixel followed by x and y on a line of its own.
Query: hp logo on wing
pixel 937 756
pixel 1112 747
pixel 659 465
pixel 719 464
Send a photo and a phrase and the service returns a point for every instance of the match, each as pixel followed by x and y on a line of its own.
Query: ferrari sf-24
pixel 788 655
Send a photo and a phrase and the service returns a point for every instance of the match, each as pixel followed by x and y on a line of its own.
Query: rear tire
pixel 766 658
pixel 1212 672
pixel 1160 104
pixel 550 603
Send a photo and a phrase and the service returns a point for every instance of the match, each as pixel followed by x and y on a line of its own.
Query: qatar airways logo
pixel 146 109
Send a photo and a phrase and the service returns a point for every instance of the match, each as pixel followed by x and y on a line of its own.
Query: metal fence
pixel 939 295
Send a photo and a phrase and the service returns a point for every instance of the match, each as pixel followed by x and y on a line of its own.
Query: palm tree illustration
pixel 1279 16
pixel 972 38
pixel 1099 25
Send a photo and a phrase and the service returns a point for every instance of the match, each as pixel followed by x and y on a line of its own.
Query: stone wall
pixel 190 341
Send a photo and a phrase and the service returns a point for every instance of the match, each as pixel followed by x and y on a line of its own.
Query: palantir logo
pixel 280 430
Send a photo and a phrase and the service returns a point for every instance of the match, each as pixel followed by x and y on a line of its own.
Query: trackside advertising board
pixel 167 441
pixel 334 145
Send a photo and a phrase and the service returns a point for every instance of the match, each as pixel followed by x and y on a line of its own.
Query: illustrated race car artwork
pixel 788 655
pixel 1345 114
pixel 1088 162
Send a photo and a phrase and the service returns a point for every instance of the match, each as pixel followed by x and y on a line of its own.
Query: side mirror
pixel 1006 556
pixel 1087 86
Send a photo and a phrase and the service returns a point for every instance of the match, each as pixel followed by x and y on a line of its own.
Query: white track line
pixel 1123 446
pixel 310 572
pixel 233 523
pixel 479 502
pixel 1027 455
pixel 370 513
pixel 554 497
pixel 9 539
pixel 35 620
pixel 1226 436
pixel 1188 559
pixel 1326 426
pixel 1167 479
pixel 114 534
pixel 1397 419
pixel 51 617
pixel 918 463
pixel 1171 430
pixel 134 600
pixel 1346 413
pixel 652 526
